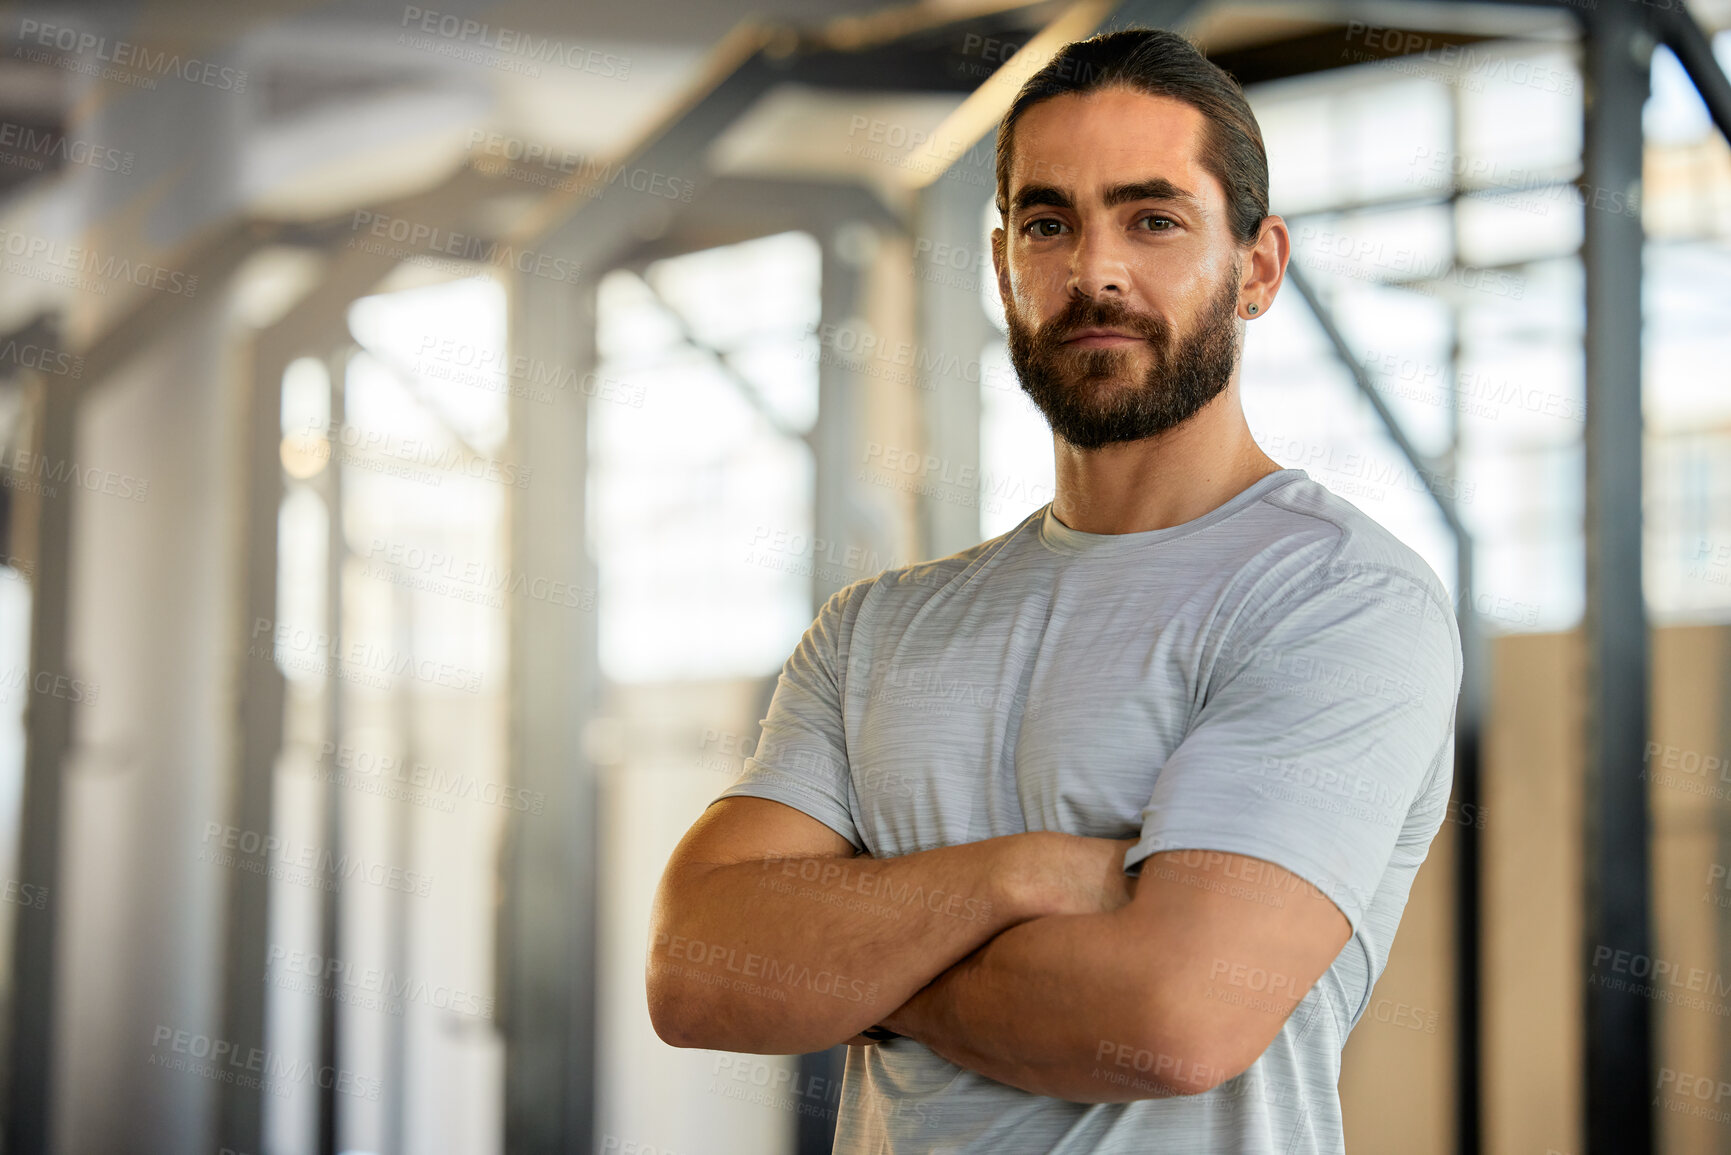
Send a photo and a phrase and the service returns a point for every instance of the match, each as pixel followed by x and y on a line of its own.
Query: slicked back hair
pixel 1159 63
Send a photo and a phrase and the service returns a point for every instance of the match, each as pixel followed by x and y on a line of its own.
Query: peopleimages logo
pixel 417 242
pixel 303 863
pixel 126 54
pixel 516 47
pixel 751 965
pixel 335 978
pixel 47 253
pixel 28 147
pixel 273 1072
pixel 355 765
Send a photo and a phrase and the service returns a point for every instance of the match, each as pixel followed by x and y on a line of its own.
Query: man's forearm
pixel 1050 1006
pixel 791 955
pixel 1172 994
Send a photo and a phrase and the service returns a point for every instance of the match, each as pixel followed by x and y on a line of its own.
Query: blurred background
pixel 425 431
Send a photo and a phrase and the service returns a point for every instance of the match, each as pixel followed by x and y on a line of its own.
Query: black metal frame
pixel 1619 1023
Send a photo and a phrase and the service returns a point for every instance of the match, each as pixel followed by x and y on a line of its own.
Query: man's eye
pixel 1036 227
pixel 1150 221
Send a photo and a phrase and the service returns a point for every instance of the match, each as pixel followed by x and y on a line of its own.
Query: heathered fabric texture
pixel 1276 678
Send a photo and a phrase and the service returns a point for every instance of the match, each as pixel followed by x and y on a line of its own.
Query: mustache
pixel 1089 313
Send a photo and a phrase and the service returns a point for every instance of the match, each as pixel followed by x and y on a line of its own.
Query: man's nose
pixel 1098 265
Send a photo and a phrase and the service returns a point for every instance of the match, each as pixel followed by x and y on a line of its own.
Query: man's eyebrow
pixel 1156 189
pixel 1031 195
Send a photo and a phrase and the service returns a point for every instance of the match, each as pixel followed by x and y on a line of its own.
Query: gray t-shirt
pixel 1276 678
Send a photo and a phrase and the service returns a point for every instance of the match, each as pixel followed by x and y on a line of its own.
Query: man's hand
pixel 1069 874
pixel 1058 874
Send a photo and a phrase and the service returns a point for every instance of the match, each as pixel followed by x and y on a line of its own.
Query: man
pixel 1102 828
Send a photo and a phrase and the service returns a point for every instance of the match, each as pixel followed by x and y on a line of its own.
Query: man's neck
pixel 1160 481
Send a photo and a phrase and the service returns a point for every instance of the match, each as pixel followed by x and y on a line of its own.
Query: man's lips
pixel 1102 338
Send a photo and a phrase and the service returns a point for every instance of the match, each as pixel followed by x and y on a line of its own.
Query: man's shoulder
pixel 1333 542
pixel 1374 597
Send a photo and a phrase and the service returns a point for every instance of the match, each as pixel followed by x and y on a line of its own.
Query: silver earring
pixel 1252 308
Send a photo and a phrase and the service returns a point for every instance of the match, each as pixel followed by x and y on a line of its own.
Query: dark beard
pixel 1082 391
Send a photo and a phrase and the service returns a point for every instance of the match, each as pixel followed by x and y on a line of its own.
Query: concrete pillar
pixel 547 921
pixel 143 770
pixel 952 258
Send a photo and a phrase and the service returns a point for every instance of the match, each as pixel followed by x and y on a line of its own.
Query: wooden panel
pixel 1533 894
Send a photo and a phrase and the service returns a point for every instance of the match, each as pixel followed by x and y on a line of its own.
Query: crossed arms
pixel 1030 958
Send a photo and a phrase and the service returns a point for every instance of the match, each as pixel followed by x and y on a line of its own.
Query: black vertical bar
pixel 1619 1033
pixel 1469 939
pixel 816 1091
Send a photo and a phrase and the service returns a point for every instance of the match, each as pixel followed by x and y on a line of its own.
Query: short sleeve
pixel 1325 717
pixel 801 756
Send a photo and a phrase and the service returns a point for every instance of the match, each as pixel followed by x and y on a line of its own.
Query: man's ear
pixel 1265 266
pixel 1001 267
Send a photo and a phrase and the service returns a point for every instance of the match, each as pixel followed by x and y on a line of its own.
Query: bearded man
pixel 1093 837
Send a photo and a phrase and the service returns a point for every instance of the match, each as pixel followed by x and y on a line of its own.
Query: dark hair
pixel 1159 63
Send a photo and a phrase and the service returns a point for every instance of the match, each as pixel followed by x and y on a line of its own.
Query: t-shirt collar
pixel 1059 537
